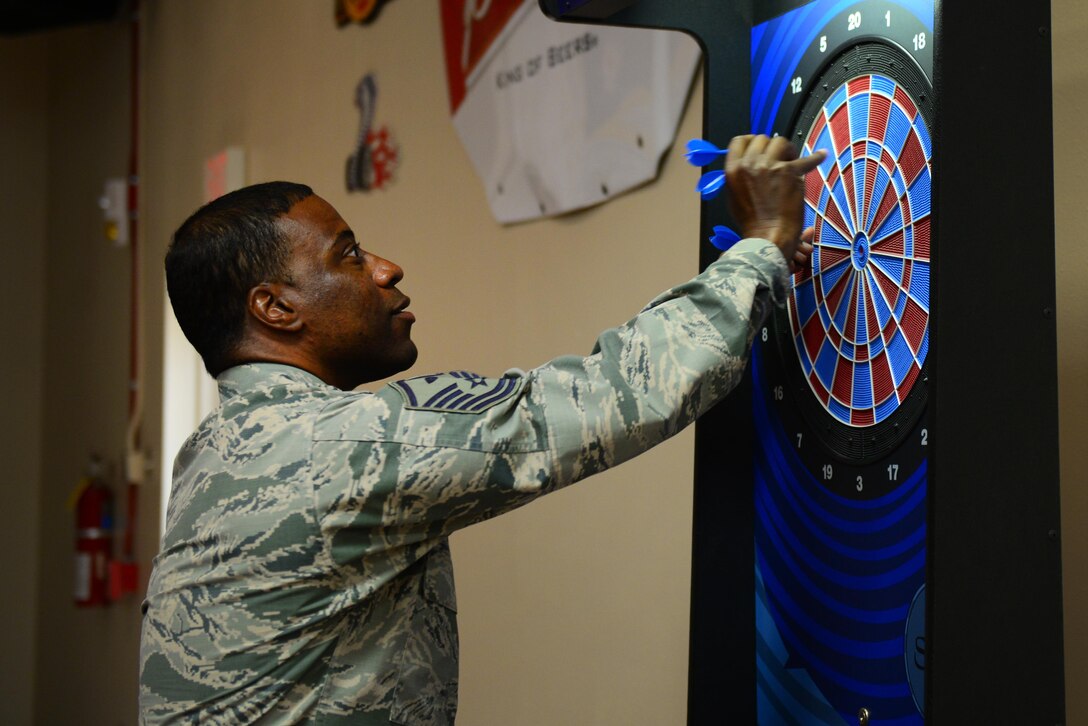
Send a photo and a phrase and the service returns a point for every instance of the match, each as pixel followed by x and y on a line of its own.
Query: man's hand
pixel 766 183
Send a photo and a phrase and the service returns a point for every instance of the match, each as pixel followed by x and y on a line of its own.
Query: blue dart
pixel 710 184
pixel 701 153
pixel 724 238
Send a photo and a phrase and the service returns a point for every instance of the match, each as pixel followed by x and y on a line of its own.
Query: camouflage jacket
pixel 305 573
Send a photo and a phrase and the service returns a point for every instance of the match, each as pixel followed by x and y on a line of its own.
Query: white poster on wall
pixel 558 116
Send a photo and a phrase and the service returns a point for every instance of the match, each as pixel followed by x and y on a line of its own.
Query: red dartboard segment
pixel 887 204
pixel 890 245
pixel 857 86
pixel 906 103
pixel 850 331
pixel 818 388
pixel 908 381
pixel 803 273
pixel 835 295
pixel 904 202
pixel 914 323
pixel 921 239
pixel 848 187
pixel 882 378
pixel 880 309
pixel 813 335
pixel 889 331
pixel 832 177
pixel 834 216
pixel 871 169
pixel 814 187
pixel 834 337
pixel 888 286
pixel 840 129
pixel 912 159
pixel 831 256
pixel 870 310
pixel 844 382
pixel 834 299
pixel 862 417
pixel 879 110
pixel 860 162
pixel 887 161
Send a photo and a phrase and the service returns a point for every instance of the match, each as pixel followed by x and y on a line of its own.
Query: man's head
pixel 272 273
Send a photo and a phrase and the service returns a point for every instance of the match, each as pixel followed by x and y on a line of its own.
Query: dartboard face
pixel 859 315
pixel 854 335
pixel 841 371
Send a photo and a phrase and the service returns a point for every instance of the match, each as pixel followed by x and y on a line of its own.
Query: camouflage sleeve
pixel 651 377
pixel 448 458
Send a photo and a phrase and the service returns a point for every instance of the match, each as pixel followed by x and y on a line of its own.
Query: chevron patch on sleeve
pixel 456 392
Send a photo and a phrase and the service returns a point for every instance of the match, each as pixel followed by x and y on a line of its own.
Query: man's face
pixel 355 325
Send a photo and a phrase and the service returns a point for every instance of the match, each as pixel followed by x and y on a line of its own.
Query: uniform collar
pixel 248 377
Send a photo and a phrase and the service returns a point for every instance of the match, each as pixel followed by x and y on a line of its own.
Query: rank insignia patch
pixel 456 392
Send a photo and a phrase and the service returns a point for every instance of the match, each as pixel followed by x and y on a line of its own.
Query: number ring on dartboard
pixel 855 331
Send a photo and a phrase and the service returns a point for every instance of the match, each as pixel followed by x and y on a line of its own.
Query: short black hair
pixel 217 255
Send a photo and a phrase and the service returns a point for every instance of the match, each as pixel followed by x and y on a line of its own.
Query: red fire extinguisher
pixel 94 540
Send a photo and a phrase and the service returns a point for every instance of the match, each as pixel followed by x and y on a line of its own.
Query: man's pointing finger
pixel 806 164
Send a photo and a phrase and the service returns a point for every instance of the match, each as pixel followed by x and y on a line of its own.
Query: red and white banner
pixel 559 116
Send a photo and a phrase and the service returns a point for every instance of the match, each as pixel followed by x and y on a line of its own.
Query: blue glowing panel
pixel 839 561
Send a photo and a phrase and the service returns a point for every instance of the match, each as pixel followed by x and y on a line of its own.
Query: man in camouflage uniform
pixel 305 574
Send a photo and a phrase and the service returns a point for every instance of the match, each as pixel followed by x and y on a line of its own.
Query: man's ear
pixel 272 304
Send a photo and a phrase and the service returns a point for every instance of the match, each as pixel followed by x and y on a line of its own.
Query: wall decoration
pixel 224 172
pixel 363 12
pixel 556 117
pixel 376 155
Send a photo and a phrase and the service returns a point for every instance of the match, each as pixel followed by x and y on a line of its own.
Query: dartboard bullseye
pixel 859 314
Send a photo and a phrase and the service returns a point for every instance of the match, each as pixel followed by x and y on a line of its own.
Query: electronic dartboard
pixel 876 522
pixel 840 372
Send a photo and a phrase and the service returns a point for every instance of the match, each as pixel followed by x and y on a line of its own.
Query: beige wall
pixel 1070 54
pixel 86 658
pixel 24 112
pixel 573 610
